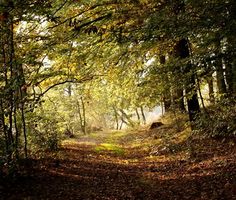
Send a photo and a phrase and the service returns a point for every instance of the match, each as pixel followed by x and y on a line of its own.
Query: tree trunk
pixel 8 92
pixel 167 101
pixel 143 115
pixel 125 116
pixel 137 114
pixel 122 121
pixel 219 70
pixel 178 98
pixel 121 125
pixel 166 93
pixel 231 47
pixel 81 116
pixel 220 79
pixel 178 92
pixel 182 51
pixel 3 126
pixel 229 74
pixel 116 118
pixel 230 70
pixel 84 115
pixel 211 90
pixel 23 122
pixel 234 78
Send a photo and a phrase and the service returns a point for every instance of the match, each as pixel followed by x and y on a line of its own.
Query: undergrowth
pixel 218 121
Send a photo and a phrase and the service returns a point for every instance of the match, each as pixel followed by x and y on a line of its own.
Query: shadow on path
pixel 82 173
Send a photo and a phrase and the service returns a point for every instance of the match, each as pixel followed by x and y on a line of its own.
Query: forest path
pixel 106 167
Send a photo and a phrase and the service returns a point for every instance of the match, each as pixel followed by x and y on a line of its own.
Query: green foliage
pixel 219 121
pixel 94 63
pixel 43 134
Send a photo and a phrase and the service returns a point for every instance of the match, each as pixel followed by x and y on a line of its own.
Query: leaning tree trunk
pixel 143 115
pixel 116 115
pixel 128 120
pixel 137 114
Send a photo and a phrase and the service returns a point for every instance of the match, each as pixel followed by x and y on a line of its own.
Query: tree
pixel 134 55
pixel 142 26
pixel 16 76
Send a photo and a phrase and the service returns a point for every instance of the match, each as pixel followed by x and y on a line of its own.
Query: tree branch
pixel 66 81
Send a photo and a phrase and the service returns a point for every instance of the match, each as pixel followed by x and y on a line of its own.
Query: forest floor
pixel 144 164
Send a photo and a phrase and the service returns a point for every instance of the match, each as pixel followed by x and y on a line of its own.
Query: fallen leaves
pixel 81 172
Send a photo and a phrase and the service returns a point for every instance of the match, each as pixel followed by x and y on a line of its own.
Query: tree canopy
pixel 73 66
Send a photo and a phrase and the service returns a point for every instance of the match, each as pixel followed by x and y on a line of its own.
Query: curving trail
pixel 86 169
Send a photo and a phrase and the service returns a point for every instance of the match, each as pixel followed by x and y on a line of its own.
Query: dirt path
pixel 83 171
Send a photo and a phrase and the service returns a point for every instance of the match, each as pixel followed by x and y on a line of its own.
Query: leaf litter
pixel 197 169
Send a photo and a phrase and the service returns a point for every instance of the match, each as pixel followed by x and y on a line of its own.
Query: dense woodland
pixel 75 67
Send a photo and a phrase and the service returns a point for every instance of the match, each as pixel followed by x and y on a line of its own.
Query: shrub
pixel 43 135
pixel 219 120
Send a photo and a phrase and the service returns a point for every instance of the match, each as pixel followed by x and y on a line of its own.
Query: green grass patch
pixel 110 147
pixel 115 136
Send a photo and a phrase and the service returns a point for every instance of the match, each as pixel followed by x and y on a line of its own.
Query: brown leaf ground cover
pixel 135 165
